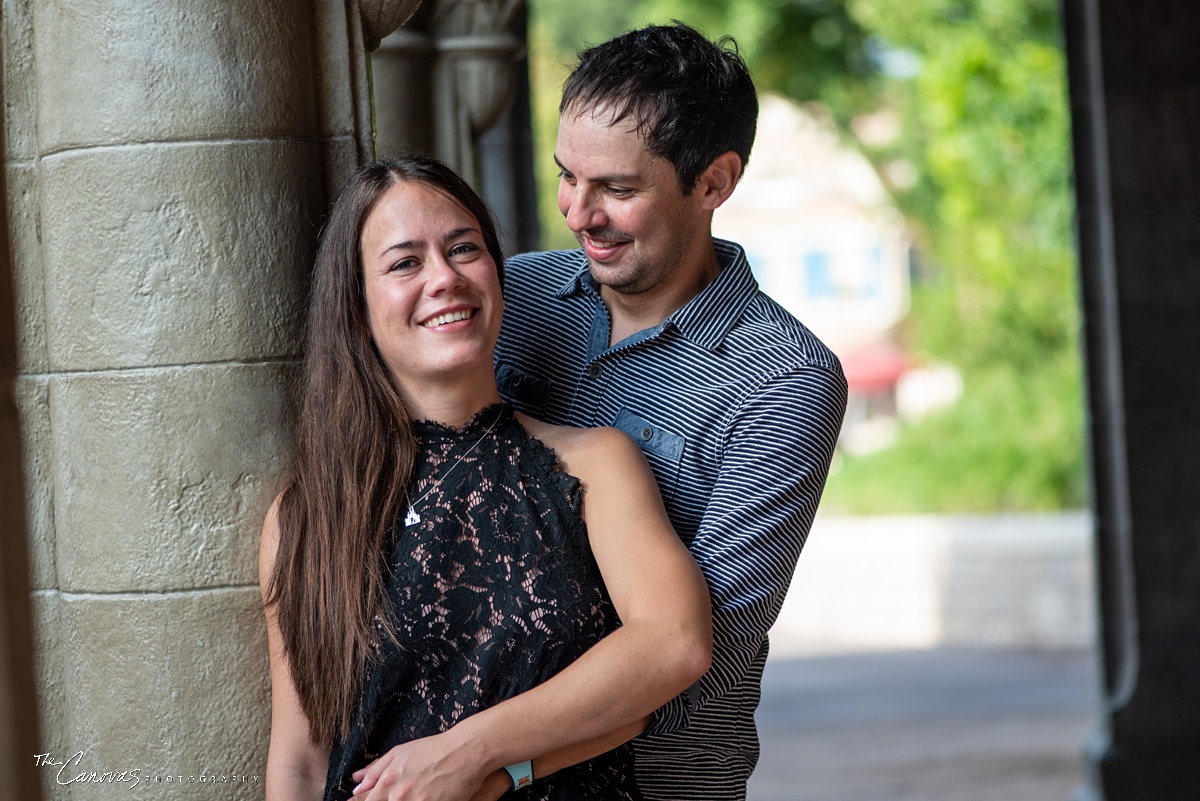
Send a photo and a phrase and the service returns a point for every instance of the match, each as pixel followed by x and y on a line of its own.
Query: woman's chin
pixel 462 369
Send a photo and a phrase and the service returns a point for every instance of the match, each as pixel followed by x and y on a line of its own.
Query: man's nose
pixel 582 210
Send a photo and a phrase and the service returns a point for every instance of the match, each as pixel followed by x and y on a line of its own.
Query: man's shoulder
pixel 543 271
pixel 770 336
pixel 536 316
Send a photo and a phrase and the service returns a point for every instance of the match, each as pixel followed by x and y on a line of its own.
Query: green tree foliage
pixel 806 49
pixel 979 88
pixel 986 124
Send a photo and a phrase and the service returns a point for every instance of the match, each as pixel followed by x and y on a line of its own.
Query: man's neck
pixel 631 313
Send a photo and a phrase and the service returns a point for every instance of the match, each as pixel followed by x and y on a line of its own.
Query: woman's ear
pixel 719 180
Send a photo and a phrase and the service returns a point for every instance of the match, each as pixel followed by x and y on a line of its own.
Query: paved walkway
pixel 935 725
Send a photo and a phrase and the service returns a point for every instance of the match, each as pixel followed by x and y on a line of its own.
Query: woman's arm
pixel 296 767
pixel 602 699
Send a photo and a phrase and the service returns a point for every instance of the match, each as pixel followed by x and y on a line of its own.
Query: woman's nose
pixel 441 275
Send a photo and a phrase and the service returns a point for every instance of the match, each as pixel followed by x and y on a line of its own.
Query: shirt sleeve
pixel 778 445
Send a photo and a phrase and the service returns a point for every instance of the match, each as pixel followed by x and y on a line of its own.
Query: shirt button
pixel 647 433
pixel 594 369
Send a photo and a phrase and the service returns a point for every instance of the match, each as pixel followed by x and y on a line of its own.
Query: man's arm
pixel 779 442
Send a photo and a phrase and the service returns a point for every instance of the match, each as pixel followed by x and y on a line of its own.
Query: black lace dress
pixel 495 590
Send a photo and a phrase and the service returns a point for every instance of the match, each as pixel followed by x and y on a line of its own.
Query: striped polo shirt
pixel 737 407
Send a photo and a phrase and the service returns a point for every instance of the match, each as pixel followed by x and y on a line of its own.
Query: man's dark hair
pixel 690 99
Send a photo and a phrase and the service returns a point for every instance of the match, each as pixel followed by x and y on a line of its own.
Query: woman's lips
pixel 448 318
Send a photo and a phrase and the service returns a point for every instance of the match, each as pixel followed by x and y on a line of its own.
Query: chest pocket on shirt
pixel 527 392
pixel 663 449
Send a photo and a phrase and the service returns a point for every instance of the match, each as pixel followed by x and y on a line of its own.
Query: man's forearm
pixel 601 700
pixel 498 782
pixel 580 752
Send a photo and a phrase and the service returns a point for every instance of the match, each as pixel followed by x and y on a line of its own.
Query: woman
pixel 435 614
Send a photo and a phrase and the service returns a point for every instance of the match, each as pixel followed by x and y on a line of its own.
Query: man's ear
pixel 717 183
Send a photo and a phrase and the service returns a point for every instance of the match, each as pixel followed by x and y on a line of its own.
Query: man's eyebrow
pixel 615 178
pixel 417 244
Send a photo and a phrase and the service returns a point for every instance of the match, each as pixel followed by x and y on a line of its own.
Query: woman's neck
pixel 450 404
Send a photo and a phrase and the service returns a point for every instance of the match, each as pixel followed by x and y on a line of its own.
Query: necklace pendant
pixel 412 518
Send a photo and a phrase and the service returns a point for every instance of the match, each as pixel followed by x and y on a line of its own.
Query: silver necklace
pixel 413 517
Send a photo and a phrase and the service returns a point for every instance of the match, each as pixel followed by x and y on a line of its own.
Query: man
pixel 658 329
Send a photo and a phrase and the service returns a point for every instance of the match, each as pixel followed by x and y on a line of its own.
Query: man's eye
pixel 619 191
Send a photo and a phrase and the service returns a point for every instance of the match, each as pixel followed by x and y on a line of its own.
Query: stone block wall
pixel 168 165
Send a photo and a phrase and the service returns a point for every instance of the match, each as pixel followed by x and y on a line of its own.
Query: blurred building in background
pixel 825 240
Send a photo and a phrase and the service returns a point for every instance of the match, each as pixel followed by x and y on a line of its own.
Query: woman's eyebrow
pixel 457 232
pixel 411 244
pixel 417 244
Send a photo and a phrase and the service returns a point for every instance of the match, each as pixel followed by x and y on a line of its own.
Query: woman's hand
pixel 429 769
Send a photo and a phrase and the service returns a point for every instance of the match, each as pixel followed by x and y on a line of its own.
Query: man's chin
pixel 616 279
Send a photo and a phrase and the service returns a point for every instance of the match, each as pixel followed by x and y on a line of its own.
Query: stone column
pixel 506 159
pixel 168 166
pixel 1135 98
pixel 470 54
pixel 402 81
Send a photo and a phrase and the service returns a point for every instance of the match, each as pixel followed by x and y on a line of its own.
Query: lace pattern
pixel 494 591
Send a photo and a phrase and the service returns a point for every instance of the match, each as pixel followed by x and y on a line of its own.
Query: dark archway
pixel 1135 100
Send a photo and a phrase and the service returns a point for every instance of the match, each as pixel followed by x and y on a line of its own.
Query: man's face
pixel 624 204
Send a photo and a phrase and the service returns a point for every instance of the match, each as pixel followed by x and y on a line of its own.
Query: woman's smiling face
pixel 432 289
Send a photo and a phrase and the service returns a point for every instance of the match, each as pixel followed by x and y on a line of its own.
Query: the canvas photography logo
pixel 76 769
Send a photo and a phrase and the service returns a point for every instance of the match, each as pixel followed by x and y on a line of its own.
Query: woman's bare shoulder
pixel 584 452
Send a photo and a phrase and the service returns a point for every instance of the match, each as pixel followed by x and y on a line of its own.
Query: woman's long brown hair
pixel 353 460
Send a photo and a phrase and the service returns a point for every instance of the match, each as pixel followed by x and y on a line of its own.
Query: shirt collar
pixel 705 319
pixel 579 283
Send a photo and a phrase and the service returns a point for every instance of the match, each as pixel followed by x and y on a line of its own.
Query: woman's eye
pixel 404 264
pixel 463 249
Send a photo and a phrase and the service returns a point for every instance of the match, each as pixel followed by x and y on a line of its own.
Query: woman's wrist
pixel 496 784
pixel 478 738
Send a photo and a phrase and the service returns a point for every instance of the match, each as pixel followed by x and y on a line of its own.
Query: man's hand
pixel 428 769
